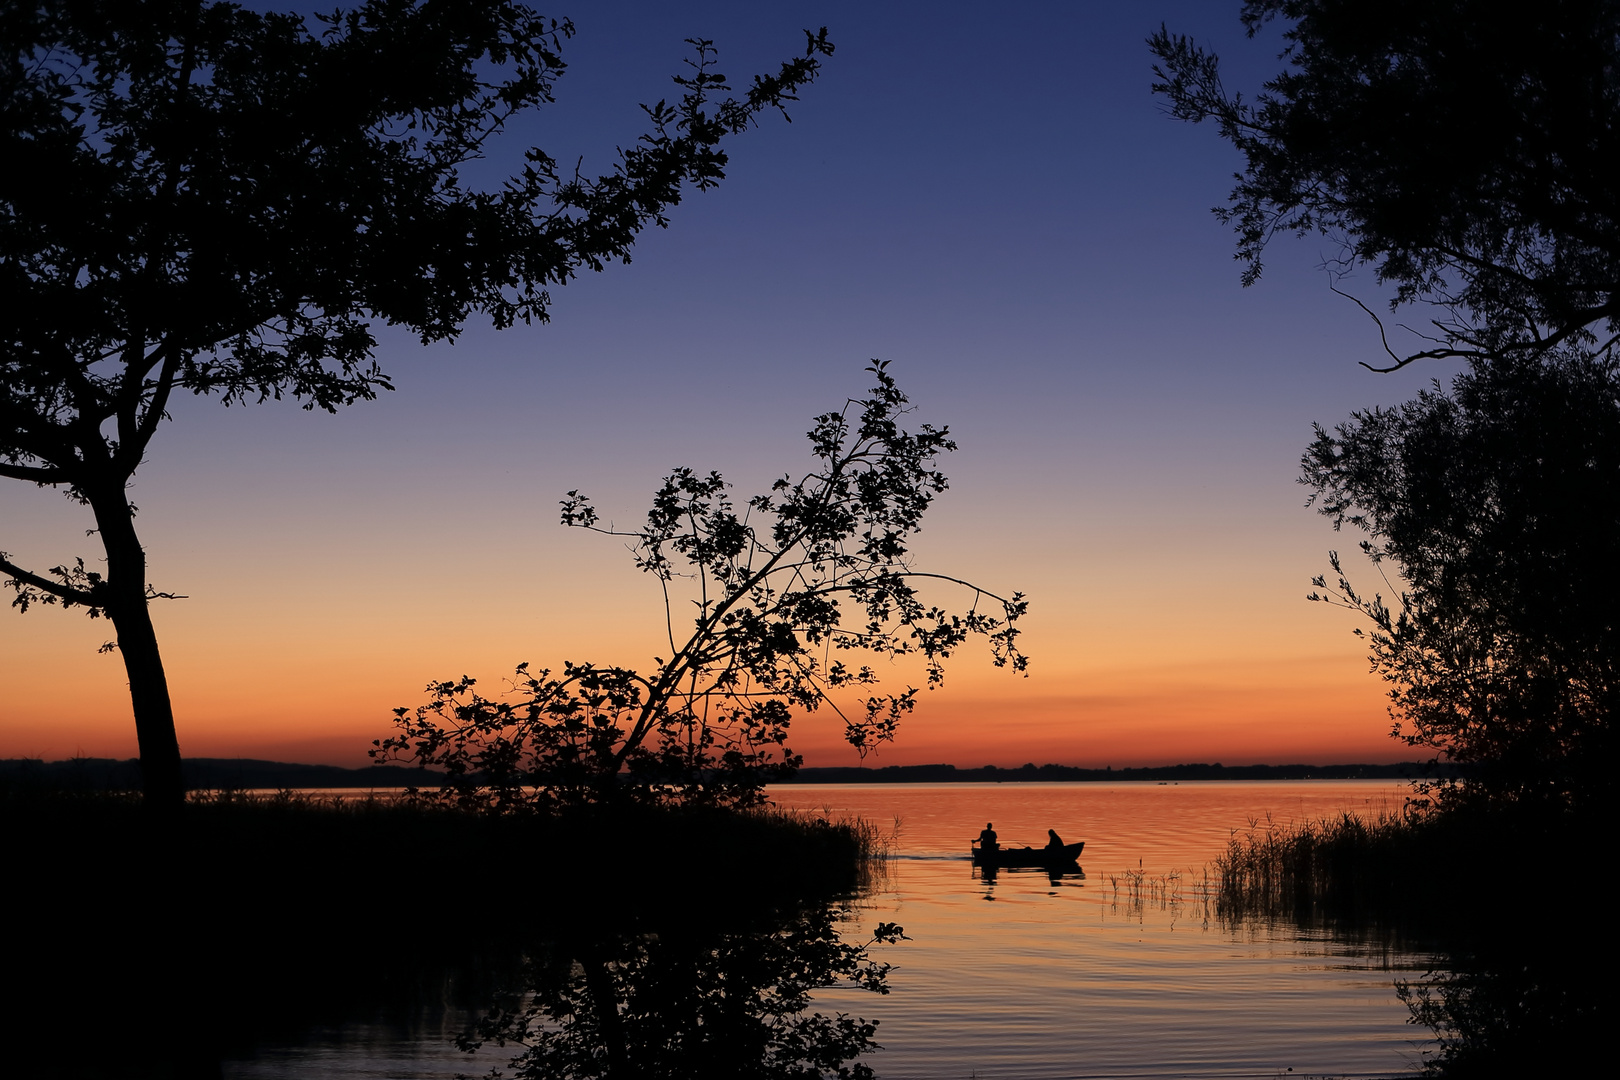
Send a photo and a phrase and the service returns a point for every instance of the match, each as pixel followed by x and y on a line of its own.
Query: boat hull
pixel 1028 856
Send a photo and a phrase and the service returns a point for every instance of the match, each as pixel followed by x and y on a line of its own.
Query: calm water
pixel 1095 977
pixel 1121 972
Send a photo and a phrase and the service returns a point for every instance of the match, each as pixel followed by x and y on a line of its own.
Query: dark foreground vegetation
pixel 157 945
pixel 586 855
pixel 1487 508
pixel 1523 973
pixel 1413 871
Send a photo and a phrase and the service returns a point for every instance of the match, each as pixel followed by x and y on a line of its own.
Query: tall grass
pixel 1423 867
pixel 1514 992
pixel 1344 863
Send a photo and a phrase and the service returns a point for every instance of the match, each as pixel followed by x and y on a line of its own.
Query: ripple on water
pixel 1104 977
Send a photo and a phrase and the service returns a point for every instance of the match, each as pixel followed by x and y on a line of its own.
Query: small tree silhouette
pixel 790 589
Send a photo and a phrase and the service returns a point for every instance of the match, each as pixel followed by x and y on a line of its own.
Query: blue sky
pixel 988 197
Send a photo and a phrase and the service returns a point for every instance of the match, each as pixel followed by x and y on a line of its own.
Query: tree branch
pixel 155 408
pixel 64 592
pixel 1399 361
pixel 33 473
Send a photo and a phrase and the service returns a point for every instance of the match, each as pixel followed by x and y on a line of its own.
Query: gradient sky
pixel 988 197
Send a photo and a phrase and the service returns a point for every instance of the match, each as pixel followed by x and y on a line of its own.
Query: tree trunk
pixel 126 605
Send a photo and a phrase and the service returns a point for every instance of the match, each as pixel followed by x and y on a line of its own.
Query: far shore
pixel 111 774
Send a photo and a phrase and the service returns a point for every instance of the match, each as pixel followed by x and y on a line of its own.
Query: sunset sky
pixel 988 197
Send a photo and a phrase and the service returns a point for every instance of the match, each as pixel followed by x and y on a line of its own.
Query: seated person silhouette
pixel 987 839
pixel 1054 842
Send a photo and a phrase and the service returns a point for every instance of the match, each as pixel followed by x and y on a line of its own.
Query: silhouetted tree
pixel 1499 504
pixel 772 582
pixel 202 199
pixel 1463 148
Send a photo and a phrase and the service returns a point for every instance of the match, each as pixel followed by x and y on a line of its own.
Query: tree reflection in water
pixel 1506 996
pixel 684 1001
pixel 1514 1007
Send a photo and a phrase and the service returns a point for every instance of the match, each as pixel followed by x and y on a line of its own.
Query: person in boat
pixel 1054 842
pixel 987 839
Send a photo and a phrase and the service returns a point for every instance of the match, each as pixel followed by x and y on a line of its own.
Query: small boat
pixel 1027 856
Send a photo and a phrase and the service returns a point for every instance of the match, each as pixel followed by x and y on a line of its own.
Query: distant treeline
pixel 110 774
pixel 935 774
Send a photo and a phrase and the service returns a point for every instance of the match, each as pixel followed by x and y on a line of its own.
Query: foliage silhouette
pixel 1462 148
pixel 1512 990
pixel 771 585
pixel 1499 502
pixel 204 199
pixel 682 1001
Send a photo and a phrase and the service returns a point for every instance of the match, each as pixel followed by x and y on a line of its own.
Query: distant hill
pixel 110 774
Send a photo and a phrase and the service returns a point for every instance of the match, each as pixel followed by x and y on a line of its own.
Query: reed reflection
pixel 1507 992
pixel 678 1000
pixel 1135 893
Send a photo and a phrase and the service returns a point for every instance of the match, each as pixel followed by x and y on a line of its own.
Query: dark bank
pixel 1522 980
pixel 155 945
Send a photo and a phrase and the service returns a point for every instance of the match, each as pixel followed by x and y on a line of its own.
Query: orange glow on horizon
pixel 1317 709
pixel 304 659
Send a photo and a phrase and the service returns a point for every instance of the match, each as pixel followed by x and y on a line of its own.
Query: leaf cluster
pixel 1497 502
pixel 1462 148
pixel 793 594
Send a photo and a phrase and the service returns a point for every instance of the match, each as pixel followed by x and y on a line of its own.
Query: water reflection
pixel 674 1000
pixel 1056 876
pixel 1119 974
pixel 1504 995
pixel 1515 1003
pixel 1135 893
pixel 1507 993
pixel 1115 973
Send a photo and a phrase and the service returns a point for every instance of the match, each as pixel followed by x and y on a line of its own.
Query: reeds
pixel 1177 893
pixel 1512 992
pixel 1274 870
pixel 865 840
pixel 1413 869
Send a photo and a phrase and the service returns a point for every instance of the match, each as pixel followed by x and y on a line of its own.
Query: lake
pixel 1106 976
pixel 1122 971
